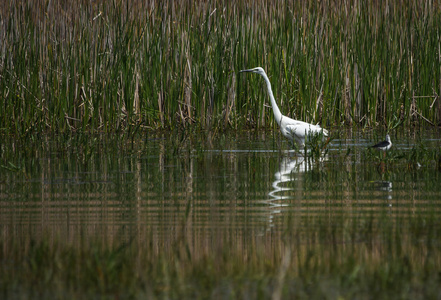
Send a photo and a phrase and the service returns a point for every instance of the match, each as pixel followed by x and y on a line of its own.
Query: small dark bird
pixel 384 145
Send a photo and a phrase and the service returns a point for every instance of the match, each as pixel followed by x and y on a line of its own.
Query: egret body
pixel 293 130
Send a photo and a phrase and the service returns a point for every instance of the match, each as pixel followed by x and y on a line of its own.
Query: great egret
pixel 290 128
pixel 384 145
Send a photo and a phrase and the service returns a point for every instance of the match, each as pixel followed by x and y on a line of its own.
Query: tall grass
pixel 115 65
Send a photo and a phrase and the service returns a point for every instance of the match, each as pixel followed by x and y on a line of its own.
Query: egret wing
pixel 297 131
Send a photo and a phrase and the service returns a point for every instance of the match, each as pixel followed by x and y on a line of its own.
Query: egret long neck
pixel 276 110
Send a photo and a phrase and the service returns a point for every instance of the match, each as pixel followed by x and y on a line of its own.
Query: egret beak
pixel 248 70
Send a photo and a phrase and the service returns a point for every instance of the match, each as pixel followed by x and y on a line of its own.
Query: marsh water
pixel 241 185
pixel 236 185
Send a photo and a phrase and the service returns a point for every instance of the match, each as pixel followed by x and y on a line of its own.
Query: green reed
pixel 111 66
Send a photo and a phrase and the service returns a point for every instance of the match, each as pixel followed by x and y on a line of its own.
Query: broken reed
pixel 118 65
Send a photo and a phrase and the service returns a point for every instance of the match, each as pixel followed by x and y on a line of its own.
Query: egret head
pixel 257 70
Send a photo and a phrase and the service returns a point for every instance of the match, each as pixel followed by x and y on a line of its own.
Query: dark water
pixel 239 184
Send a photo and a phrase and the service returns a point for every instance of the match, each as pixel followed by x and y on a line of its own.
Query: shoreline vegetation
pixel 112 66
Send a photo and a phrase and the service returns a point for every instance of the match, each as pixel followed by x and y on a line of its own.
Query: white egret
pixel 293 130
pixel 384 145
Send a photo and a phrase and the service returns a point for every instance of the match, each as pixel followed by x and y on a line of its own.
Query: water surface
pixel 230 186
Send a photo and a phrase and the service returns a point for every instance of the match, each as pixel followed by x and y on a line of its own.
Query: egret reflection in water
pixel 291 169
pixel 284 175
pixel 287 182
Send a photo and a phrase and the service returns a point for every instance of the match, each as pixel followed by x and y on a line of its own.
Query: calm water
pixel 235 185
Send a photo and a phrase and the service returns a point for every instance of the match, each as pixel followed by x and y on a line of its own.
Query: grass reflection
pixel 336 257
pixel 103 217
